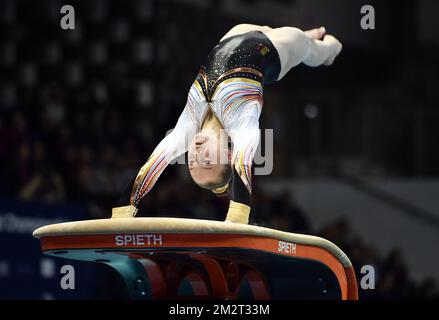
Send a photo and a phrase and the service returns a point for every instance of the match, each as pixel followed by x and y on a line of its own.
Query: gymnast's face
pixel 209 159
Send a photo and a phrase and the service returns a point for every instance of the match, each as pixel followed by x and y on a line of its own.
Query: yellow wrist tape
pixel 124 212
pixel 238 213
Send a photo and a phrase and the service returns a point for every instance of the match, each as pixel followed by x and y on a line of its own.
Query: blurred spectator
pixel 46 184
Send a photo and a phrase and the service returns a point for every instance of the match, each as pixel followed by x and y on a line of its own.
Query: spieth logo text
pixel 286 247
pixel 139 240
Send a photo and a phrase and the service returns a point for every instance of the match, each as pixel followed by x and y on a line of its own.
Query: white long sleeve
pixel 238 104
pixel 245 137
pixel 172 146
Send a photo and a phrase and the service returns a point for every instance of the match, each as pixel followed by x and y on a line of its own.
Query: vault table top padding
pixel 179 225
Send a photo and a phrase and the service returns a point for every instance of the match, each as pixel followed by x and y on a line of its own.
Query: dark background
pixel 81 110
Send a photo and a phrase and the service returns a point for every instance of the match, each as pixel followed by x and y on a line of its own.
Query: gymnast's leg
pixel 312 47
pixel 294 46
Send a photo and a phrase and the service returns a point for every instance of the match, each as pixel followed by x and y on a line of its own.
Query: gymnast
pixel 225 101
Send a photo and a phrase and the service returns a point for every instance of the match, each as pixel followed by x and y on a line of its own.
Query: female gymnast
pixel 225 102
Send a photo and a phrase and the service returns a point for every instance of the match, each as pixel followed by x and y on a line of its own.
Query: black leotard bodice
pixel 249 55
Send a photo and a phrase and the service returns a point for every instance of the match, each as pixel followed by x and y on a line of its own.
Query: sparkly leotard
pixel 230 84
pixel 250 55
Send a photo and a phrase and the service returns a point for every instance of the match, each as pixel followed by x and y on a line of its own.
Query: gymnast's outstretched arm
pixel 172 146
pixel 245 137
